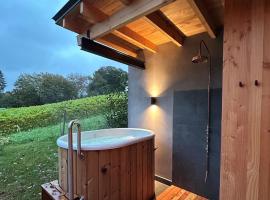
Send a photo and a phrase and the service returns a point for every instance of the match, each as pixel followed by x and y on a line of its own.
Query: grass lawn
pixel 29 159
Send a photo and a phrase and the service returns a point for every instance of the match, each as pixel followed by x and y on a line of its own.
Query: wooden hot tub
pixel 118 164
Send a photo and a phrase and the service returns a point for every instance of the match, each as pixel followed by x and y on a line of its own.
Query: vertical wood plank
pixel 139 171
pixel 128 172
pixel 133 172
pixel 264 190
pixel 151 174
pixel 78 178
pixel 63 169
pixel 145 170
pixel 75 172
pixel 235 100
pixel 115 174
pixel 82 176
pixel 123 169
pixel 92 175
pixel 60 166
pixel 104 175
pixel 125 173
pixel 255 99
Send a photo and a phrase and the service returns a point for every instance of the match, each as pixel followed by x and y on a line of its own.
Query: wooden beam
pixel 202 13
pixel 127 2
pixel 128 14
pixel 107 52
pixel 94 15
pixel 163 24
pixel 135 38
pixel 116 43
pixel 74 21
pixel 91 13
pixel 77 25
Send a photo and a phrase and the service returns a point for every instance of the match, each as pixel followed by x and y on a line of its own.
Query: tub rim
pixel 62 144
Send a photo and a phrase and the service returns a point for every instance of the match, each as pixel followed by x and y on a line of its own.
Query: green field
pixel 25 118
pixel 28 159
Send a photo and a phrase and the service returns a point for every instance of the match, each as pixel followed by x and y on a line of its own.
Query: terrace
pixel 210 119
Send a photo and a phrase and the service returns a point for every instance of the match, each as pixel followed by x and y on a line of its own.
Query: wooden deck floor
pixel 176 193
pixel 52 191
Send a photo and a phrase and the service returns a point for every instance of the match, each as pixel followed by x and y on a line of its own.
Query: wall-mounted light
pixel 153 100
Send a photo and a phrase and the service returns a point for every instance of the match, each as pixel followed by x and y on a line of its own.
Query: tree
pixel 107 80
pixel 26 91
pixel 55 88
pixel 8 100
pixel 3 83
pixel 80 82
pixel 42 88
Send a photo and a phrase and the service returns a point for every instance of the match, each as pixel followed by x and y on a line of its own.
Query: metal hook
pixel 241 84
pixel 256 83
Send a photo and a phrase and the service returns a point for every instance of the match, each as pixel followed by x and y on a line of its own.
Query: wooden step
pixel 52 191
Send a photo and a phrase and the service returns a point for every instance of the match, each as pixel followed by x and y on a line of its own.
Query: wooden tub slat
pixel 125 173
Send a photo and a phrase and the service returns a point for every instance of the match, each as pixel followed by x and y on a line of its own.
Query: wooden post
pixel 245 151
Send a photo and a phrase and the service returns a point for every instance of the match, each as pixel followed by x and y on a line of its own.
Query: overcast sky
pixel 30 42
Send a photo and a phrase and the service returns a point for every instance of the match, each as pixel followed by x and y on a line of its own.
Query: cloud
pixel 31 42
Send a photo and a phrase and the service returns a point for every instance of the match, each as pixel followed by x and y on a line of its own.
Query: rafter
pixel 163 24
pixel 202 13
pixel 135 38
pixel 130 13
pixel 116 43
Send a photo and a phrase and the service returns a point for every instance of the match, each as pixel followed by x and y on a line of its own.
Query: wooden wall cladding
pixel 245 159
pixel 120 174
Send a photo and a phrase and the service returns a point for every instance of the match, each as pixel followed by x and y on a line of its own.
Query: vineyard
pixel 14 120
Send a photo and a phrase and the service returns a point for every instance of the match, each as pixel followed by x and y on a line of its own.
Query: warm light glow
pixel 154 108
pixel 151 116
pixel 157 81
pixel 153 90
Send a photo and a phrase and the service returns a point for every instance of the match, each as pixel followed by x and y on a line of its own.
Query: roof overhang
pixel 65 10
pixel 130 26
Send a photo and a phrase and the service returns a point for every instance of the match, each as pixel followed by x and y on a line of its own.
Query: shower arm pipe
pixel 70 155
pixel 209 107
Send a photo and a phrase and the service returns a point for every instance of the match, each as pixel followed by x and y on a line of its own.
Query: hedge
pixel 25 118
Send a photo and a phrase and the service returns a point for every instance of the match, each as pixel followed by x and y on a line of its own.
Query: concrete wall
pixel 168 71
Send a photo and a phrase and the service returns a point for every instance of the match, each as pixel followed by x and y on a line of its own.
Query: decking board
pixel 176 193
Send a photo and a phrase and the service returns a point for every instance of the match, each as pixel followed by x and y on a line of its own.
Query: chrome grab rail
pixel 70 154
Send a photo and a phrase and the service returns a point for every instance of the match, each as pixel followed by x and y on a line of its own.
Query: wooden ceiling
pixel 130 26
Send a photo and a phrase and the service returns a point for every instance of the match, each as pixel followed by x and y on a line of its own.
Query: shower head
pixel 200 59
